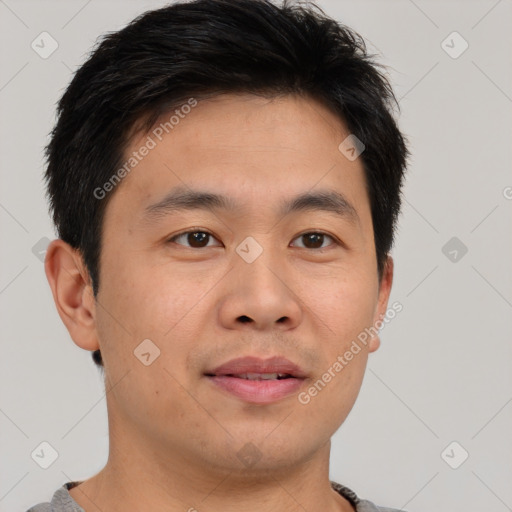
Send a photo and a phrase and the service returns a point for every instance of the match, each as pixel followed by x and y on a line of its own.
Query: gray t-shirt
pixel 63 502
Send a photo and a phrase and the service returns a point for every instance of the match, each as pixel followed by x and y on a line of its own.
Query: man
pixel 225 178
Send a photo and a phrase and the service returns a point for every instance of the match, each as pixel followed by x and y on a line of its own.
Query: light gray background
pixel 443 372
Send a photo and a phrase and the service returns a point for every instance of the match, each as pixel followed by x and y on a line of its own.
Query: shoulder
pixel 359 504
pixel 368 506
pixel 61 501
pixel 41 507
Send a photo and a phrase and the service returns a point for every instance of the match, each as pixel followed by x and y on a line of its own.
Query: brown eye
pixel 194 239
pixel 200 239
pixel 314 240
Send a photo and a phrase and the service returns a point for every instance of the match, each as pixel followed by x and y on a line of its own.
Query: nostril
pixel 244 319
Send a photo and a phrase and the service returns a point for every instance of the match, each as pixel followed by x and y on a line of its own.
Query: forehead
pixel 250 148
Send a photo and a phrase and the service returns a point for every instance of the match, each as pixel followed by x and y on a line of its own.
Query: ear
pixel 72 292
pixel 382 304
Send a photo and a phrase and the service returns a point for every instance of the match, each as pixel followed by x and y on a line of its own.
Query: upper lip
pixel 252 364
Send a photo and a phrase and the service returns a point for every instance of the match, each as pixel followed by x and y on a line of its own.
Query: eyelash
pixel 174 237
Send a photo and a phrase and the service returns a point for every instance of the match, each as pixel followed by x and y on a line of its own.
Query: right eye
pixel 197 239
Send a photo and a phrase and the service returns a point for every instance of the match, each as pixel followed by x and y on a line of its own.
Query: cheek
pixel 345 306
pixel 127 321
pixel 334 391
pixel 150 303
pixel 150 300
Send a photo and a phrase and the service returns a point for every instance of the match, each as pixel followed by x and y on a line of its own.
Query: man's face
pixel 206 298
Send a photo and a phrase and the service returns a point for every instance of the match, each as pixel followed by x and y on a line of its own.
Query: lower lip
pixel 258 391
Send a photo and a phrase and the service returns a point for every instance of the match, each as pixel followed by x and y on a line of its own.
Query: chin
pixel 251 455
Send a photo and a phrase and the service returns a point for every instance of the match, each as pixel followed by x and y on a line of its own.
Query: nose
pixel 259 296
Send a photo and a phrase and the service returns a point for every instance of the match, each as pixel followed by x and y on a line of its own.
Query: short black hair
pixel 200 49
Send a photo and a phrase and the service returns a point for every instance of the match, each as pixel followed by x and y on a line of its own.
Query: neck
pixel 142 476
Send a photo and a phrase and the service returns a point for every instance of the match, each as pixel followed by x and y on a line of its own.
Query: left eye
pixel 199 239
pixel 314 240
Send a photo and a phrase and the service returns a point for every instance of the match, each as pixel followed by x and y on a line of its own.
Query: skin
pixel 174 437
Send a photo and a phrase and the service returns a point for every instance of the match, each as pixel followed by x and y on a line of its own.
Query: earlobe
pixel 72 293
pixel 382 304
pixel 374 343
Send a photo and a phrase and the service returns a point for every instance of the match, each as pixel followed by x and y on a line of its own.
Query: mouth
pixel 258 381
pixel 255 376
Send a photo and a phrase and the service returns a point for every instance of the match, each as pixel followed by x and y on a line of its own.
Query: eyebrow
pixel 183 199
